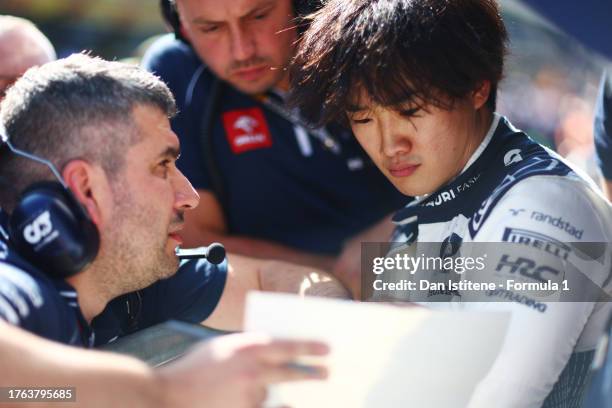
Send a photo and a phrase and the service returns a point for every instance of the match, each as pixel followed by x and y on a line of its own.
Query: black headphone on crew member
pixel 48 226
pixel 171 16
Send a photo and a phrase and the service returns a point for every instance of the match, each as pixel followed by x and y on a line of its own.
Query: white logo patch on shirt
pixel 512 156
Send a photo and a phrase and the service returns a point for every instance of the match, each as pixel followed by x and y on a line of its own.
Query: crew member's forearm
pixel 303 280
pixel 100 379
pixel 246 274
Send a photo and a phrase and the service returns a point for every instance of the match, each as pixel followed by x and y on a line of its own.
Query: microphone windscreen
pixel 215 253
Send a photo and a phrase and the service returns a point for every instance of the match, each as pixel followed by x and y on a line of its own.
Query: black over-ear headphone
pixel 171 16
pixel 49 227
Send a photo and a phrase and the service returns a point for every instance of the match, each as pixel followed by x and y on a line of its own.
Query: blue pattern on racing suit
pixel 506 179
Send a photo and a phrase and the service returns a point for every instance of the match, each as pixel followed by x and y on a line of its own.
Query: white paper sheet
pixel 381 355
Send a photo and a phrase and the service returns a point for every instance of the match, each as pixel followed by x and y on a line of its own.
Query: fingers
pixel 264 348
pixel 279 352
pixel 277 361
pixel 292 372
pixel 269 361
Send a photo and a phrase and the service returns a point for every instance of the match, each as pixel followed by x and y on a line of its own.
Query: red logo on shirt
pixel 246 129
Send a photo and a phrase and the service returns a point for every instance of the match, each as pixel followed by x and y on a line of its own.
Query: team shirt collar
pixel 70 296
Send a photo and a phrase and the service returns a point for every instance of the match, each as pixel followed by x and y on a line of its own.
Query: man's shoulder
pixel 568 208
pixel 30 300
pixel 192 275
pixel 175 63
pixel 17 284
pixel 167 50
pixel 190 295
pixel 515 156
pixel 518 168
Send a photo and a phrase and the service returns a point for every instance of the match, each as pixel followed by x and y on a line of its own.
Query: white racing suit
pixel 537 221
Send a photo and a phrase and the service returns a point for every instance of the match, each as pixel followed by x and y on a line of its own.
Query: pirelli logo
pixel 537 240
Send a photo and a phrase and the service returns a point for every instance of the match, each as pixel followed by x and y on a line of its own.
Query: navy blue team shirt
pixel 50 307
pixel 280 186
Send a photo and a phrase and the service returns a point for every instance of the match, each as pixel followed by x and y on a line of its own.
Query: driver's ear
pixel 480 95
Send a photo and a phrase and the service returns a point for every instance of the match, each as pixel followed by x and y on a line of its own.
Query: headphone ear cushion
pixel 51 229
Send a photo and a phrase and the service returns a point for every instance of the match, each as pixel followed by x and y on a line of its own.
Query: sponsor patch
pixel 527 268
pixel 558 222
pixel 453 192
pixel 246 130
pixel 512 156
pixel 537 240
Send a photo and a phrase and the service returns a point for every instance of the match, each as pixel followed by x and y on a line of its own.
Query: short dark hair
pixel 79 107
pixel 399 52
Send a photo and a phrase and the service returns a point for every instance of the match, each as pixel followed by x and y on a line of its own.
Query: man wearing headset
pixel 94 208
pixel 269 186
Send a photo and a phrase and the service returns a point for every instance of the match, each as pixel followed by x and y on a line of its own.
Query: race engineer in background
pixel 416 81
pixel 87 251
pixel 269 186
pixel 22 46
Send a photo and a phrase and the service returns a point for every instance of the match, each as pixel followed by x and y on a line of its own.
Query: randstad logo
pixel 558 222
pixel 245 123
pixel 512 156
pixel 38 229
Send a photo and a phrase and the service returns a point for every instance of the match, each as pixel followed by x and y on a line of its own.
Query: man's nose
pixel 185 196
pixel 243 44
pixel 394 140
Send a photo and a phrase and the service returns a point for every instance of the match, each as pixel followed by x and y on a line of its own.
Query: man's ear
pixel 481 94
pixel 81 178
